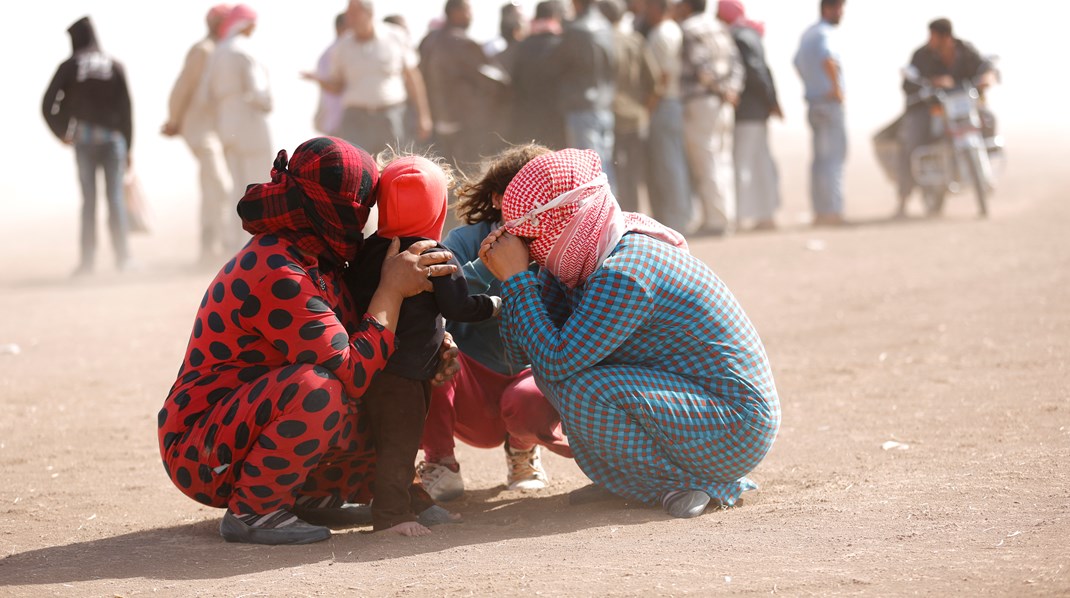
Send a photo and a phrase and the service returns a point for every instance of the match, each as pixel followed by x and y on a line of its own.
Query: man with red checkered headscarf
pixel 661 380
pixel 263 417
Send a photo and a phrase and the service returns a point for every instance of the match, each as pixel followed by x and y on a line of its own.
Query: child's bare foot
pixel 409 528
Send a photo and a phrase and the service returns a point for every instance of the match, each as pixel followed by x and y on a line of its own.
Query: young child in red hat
pixel 412 201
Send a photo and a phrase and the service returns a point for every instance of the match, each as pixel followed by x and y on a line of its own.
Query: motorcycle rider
pixel 945 62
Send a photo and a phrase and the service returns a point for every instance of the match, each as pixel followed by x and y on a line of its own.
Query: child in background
pixel 492 401
pixel 412 205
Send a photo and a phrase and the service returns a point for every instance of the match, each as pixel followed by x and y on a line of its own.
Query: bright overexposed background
pixel 151 38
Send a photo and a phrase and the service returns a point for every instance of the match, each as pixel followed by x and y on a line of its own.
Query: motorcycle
pixel 962 150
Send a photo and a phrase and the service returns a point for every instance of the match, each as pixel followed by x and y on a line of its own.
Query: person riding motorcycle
pixel 945 62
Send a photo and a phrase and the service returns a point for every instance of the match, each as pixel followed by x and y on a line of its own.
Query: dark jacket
pixel 535 94
pixel 420 326
pixel 583 66
pixel 758 97
pixel 637 75
pixel 968 64
pixel 463 85
pixel 93 87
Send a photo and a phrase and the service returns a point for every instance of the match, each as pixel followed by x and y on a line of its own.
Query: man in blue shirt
pixel 819 66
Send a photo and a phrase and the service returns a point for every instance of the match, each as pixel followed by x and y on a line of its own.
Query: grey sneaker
pixel 280 527
pixel 685 504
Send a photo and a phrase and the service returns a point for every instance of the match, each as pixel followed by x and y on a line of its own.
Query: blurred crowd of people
pixel 674 96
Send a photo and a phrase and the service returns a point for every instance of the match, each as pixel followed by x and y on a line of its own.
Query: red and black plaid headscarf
pixel 320 200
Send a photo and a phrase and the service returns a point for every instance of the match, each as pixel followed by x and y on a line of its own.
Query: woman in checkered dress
pixel 661 380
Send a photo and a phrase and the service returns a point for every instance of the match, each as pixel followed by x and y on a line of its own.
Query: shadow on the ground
pixel 196 551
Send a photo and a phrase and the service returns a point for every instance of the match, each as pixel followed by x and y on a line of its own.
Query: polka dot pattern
pixel 264 404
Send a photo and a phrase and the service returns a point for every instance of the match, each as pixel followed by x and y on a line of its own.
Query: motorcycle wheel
pixel 979 187
pixel 933 200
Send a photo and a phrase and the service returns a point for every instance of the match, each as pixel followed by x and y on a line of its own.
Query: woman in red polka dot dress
pixel 263 417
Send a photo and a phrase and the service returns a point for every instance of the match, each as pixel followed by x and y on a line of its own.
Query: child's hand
pixel 448 364
pixel 409 528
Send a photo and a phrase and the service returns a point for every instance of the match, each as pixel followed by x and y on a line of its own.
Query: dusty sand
pixel 949 336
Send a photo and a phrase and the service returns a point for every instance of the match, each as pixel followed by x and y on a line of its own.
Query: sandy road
pixel 950 337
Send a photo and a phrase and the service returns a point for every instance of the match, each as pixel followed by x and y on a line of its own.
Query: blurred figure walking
pixel 819 66
pixel 329 113
pixel 512 29
pixel 710 82
pixel 669 186
pixel 584 69
pixel 87 105
pixel 466 89
pixel 538 117
pixel 194 118
pixel 635 84
pixel 757 180
pixel 237 85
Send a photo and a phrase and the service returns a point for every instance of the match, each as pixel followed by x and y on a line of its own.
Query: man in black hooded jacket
pixel 87 105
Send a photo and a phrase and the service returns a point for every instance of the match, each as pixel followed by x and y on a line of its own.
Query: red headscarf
pixel 731 12
pixel 238 15
pixel 412 199
pixel 320 200
pixel 562 203
pixel 215 18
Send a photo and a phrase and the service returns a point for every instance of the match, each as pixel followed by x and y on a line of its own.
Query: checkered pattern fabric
pixel 661 379
pixel 569 239
pixel 320 202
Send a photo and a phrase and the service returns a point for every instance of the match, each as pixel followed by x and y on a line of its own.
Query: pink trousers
pixel 482 407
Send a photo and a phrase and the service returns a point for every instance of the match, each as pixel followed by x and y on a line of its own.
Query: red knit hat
pixel 412 199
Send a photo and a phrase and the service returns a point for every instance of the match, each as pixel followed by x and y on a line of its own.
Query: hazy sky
pixel 151 38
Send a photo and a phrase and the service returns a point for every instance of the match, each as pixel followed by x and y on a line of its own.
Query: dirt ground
pixel 950 337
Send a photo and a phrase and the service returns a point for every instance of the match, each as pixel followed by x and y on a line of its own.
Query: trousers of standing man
pixel 247 167
pixel 593 129
pixel 373 128
pixel 830 152
pixel 101 148
pixel 629 162
pixel 757 180
pixel 708 139
pixel 219 216
pixel 668 187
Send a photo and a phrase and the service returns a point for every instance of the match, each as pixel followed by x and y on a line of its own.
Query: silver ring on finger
pixel 429 271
